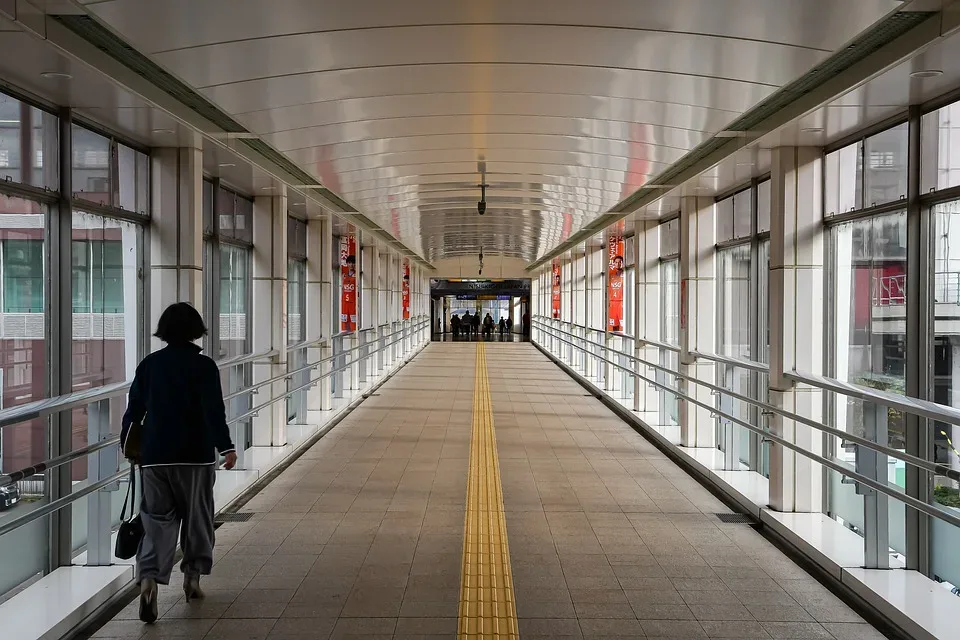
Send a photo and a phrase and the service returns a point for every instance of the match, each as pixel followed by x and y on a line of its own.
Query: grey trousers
pixel 176 500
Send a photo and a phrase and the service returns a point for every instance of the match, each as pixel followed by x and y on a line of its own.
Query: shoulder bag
pixel 131 531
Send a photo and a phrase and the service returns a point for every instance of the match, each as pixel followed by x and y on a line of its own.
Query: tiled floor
pixel 362 536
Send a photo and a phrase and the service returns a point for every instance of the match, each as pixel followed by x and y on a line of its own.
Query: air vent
pixel 240 516
pixel 734 518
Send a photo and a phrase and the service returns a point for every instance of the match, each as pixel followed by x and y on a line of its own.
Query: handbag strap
pixel 131 488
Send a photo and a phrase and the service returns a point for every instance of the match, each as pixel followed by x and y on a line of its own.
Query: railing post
pixel 873 464
pixel 338 366
pixel 326 383
pixel 362 355
pixel 100 465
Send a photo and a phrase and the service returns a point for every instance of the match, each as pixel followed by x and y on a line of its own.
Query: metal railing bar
pixel 56 505
pixel 894 453
pixel 922 408
pixel 838 467
pixel 40 467
pixel 742 363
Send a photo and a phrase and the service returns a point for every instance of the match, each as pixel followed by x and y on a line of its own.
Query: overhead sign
pixel 516 288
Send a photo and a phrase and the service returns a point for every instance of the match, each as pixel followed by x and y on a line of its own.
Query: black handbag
pixel 131 531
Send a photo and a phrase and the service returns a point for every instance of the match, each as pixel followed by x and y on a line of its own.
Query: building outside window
pixel 296 318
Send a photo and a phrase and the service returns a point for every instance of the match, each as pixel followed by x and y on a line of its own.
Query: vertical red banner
pixel 348 283
pixel 555 290
pixel 615 251
pixel 406 288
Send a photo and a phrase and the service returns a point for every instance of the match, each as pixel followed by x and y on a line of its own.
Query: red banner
pixel 406 288
pixel 348 283
pixel 556 290
pixel 615 251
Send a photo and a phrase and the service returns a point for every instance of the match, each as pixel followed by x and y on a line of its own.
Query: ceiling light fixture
pixel 926 73
pixel 59 75
pixel 227 164
pixel 267 188
pixel 812 130
pixel 165 132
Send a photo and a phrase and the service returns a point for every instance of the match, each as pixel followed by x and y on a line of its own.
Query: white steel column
pixel 269 315
pixel 796 322
pixel 698 289
pixel 318 308
pixel 176 230
pixel 648 313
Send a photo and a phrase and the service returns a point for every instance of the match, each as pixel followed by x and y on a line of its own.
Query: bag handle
pixel 131 488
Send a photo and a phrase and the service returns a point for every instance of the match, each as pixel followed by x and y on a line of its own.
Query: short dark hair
pixel 180 323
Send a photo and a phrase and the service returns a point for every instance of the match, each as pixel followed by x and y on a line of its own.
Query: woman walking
pixel 176 395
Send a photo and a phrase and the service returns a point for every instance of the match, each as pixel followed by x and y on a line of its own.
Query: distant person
pixel 525 324
pixel 455 325
pixel 475 320
pixel 465 324
pixel 488 326
pixel 176 405
pixel 502 325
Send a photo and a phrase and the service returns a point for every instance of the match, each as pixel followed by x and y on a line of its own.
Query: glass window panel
pixel 296 289
pixel 226 205
pixel 23 275
pixel 134 179
pixel 869 282
pixel 670 334
pixel 946 382
pixel 91 166
pixel 886 166
pixel 763 206
pixel 670 238
pixel 940 148
pixel 234 294
pixel 843 184
pixel 243 220
pixel 28 144
pixel 23 377
pixel 207 207
pixel 741 214
pixel 725 228
pixel 296 238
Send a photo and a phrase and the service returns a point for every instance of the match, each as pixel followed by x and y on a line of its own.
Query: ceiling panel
pixel 567 107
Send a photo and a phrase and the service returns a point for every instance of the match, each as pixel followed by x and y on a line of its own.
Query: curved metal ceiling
pixel 573 106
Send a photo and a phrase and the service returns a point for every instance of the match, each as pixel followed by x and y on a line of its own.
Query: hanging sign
pixel 348 283
pixel 406 288
pixel 556 290
pixel 615 251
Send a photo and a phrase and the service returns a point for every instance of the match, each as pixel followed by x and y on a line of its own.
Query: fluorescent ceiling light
pixel 56 74
pixel 926 73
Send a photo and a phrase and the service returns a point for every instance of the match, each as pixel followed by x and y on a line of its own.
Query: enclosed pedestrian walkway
pixel 482 493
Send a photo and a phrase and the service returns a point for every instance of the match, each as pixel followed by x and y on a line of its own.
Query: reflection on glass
pixel 733 306
pixel 763 206
pixel 106 312
pixel 741 214
pixel 27 132
pixel 946 383
pixel 843 180
pixel 725 222
pixel 296 280
pixel 886 166
pixel 940 148
pixel 133 169
pixel 91 167
pixel 23 374
pixel 670 238
pixel 670 331
pixel 234 293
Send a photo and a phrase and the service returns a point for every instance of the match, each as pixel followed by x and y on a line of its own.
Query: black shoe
pixel 148 600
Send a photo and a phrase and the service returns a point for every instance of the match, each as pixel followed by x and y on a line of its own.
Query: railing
pixel 366 351
pixel 869 472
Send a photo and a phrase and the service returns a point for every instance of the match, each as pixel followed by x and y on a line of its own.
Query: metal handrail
pixel 839 467
pixel 742 363
pixel 306 344
pixel 51 507
pixel 40 467
pixel 68 401
pixel 915 406
pixel 894 453
pixel 666 346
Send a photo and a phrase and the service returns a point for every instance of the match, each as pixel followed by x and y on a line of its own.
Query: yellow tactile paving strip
pixel 487 606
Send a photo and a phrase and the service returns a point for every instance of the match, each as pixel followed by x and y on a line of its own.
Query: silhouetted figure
pixel 502 326
pixel 475 320
pixel 455 325
pixel 488 326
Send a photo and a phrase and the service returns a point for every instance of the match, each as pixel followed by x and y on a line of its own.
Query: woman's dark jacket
pixel 177 394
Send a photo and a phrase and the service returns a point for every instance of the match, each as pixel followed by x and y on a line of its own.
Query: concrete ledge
pixel 54 605
pixel 917 606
